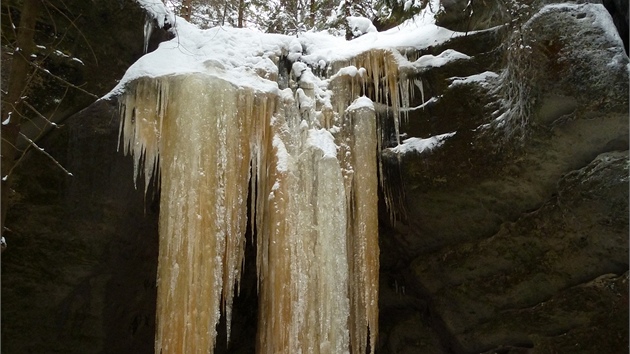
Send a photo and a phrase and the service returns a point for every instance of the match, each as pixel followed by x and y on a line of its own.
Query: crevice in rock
pixel 450 343
pixel 619 12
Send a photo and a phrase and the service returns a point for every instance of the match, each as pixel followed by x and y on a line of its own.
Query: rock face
pixel 79 273
pixel 516 231
pixel 508 235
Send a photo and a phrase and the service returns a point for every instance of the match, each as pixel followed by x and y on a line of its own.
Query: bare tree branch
pixel 63 81
pixel 72 22
pixel 45 153
pixel 28 105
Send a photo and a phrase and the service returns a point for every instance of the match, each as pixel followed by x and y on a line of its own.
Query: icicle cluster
pixel 378 74
pixel 203 140
pixel 314 172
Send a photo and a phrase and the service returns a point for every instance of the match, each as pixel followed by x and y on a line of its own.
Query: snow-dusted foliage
pixel 392 12
pixel 537 49
pixel 514 86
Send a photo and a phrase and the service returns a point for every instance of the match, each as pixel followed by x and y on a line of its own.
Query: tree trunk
pixel 12 101
pixel 312 9
pixel 241 13
pixel 187 9
pixel 347 4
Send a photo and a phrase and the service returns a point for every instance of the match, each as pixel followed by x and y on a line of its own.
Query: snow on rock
pixel 241 51
pixel 298 68
pixel 431 61
pixel 157 10
pixel 473 79
pixel 361 102
pixel 323 140
pixel 414 33
pixel 360 25
pixel 420 145
pixel 295 50
pixel 351 71
pixel 598 16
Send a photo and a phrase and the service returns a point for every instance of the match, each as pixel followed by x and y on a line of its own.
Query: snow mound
pixel 420 145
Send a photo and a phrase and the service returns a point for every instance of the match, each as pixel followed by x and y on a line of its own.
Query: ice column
pixel 200 126
pixel 303 266
pixel 363 250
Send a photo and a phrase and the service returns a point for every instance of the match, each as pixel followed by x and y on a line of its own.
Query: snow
pixel 416 33
pixel 361 102
pixel 433 61
pixel 242 51
pixel 419 145
pixel 322 139
pixel 351 71
pixel 281 152
pixel 431 100
pixel 473 79
pixel 298 68
pixel 157 10
pixel 360 25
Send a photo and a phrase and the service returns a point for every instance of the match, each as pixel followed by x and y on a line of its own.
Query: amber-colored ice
pixel 314 170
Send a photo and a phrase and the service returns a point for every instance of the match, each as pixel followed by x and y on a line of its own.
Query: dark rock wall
pixel 516 240
pixel 511 244
pixel 79 274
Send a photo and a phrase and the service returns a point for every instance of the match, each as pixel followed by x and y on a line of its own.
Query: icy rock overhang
pixel 205 117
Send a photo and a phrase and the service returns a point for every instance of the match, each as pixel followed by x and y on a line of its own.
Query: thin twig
pixel 54 23
pixel 63 81
pixel 45 153
pixel 22 116
pixel 10 143
pixel 75 26
pixel 28 105
pixel 11 21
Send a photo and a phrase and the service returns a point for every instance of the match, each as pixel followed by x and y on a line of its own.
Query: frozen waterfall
pixel 238 131
pixel 315 212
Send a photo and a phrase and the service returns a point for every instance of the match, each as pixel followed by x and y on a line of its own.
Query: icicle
pixel 420 85
pixel 148 29
pixel 389 89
